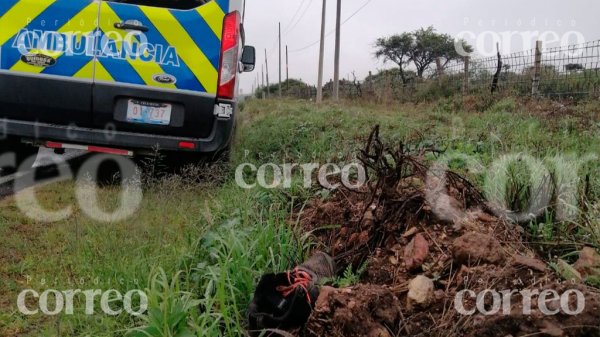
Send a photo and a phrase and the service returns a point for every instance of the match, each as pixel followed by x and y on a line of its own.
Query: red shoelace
pixel 301 279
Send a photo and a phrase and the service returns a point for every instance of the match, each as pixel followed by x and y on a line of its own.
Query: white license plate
pixel 148 112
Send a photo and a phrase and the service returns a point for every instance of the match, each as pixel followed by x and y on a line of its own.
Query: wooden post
pixel 496 78
pixel 466 78
pixel 280 60
pixel 440 69
pixel 537 70
pixel 267 73
pixel 287 68
pixel 321 54
pixel 336 69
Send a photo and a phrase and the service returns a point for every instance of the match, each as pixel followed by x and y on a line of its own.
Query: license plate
pixel 148 112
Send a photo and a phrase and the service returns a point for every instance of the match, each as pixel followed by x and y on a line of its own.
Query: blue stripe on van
pixel 67 65
pixel 200 32
pixel 224 4
pixel 185 77
pixel 62 10
pixel 120 70
pixel 6 5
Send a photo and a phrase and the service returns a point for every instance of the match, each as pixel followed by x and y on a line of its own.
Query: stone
pixel 416 252
pixel 475 248
pixel 588 263
pixel 420 290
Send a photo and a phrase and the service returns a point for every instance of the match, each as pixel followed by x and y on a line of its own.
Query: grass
pixel 198 249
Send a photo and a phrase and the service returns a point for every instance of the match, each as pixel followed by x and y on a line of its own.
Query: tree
pixel 396 49
pixel 428 45
pixel 421 47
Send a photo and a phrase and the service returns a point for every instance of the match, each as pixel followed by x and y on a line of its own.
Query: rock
pixel 567 272
pixel 368 219
pixel 588 263
pixel 530 262
pixel 410 232
pixel 476 248
pixel 420 290
pixel 416 252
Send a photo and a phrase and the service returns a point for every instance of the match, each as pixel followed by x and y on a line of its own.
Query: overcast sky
pixel 484 20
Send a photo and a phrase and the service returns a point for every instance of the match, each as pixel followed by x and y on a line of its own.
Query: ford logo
pixel 38 60
pixel 165 79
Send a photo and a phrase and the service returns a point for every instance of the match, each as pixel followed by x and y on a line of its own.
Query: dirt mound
pixel 412 222
pixel 539 323
pixel 365 310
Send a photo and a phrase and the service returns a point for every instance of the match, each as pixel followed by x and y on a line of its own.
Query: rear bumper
pixel 218 139
pixel 63 100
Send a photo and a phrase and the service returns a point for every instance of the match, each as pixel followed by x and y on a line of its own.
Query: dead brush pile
pixel 424 235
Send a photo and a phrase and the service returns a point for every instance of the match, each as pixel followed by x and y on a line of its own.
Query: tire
pixel 107 170
pixel 178 161
pixel 24 155
pixel 192 166
pixel 207 168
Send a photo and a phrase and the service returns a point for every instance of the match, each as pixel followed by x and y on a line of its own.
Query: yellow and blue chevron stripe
pixel 184 44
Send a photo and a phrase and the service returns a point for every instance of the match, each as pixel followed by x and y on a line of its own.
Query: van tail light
pixel 228 67
pixel 187 145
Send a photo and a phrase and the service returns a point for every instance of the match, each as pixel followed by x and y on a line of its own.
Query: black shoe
pixel 285 300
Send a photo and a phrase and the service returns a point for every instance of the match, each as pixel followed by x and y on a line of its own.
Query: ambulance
pixel 124 77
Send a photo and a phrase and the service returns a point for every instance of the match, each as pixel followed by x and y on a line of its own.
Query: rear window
pixel 176 4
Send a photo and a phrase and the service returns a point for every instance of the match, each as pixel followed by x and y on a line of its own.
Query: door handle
pixel 125 25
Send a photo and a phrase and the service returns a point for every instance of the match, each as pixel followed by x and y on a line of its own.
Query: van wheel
pixel 107 170
pixel 197 166
pixel 25 154
pixel 204 159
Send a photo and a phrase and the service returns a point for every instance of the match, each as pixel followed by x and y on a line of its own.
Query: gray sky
pixel 514 22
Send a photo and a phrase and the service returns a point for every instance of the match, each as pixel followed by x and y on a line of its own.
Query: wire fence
pixel 568 71
pixel 561 72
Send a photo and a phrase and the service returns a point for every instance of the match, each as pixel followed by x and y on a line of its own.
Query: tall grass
pixel 248 240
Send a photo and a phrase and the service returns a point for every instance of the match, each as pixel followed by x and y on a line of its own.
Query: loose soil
pixel 449 235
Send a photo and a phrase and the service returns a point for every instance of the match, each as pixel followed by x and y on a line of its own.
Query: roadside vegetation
pixel 197 248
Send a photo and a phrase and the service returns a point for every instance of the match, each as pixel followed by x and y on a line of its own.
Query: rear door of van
pixel 157 68
pixel 47 60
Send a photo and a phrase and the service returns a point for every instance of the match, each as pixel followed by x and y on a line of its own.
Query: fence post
pixel 440 69
pixel 466 78
pixel 537 70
